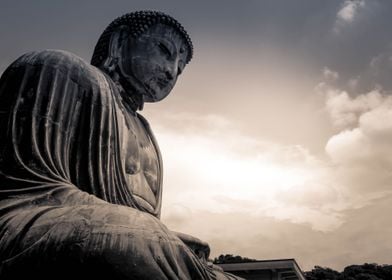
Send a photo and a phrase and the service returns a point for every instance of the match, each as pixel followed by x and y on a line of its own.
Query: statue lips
pixel 162 82
pixel 156 88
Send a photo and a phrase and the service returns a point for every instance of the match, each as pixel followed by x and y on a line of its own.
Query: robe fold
pixel 66 207
pixel 62 129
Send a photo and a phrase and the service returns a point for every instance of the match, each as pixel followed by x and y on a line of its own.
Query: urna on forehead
pixel 138 23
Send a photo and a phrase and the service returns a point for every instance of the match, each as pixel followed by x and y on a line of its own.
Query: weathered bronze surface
pixel 80 170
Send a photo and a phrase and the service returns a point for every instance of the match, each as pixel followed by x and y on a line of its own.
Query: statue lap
pixel 100 239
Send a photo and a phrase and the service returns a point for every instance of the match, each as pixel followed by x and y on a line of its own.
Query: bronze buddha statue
pixel 80 170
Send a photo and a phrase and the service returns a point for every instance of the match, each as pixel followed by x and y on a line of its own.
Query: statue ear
pixel 114 51
pixel 115 42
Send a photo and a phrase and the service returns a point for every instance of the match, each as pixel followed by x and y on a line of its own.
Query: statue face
pixel 151 63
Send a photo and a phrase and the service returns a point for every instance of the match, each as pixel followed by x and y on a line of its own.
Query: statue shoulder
pixel 76 68
pixel 143 120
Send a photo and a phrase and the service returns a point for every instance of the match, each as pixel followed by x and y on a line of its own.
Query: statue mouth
pixel 154 85
pixel 162 83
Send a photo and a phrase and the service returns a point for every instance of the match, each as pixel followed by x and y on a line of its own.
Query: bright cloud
pixel 361 149
pixel 350 9
pixel 220 162
pixel 365 124
pixel 211 166
pixel 347 13
pixel 344 111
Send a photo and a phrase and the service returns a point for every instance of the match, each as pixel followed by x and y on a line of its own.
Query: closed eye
pixel 164 49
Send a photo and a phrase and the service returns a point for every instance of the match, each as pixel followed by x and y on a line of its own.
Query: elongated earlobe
pixel 115 47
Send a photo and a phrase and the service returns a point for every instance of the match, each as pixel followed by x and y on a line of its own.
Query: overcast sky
pixel 277 139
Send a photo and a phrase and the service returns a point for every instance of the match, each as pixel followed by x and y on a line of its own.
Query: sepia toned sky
pixel 277 139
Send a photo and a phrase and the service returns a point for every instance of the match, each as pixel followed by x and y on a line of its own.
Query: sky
pixel 277 139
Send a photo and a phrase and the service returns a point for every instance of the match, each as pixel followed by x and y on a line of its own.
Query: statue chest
pixel 141 162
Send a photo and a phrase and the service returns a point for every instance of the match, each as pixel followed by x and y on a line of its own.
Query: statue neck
pixel 131 100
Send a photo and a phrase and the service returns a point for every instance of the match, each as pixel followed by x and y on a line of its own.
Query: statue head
pixel 145 52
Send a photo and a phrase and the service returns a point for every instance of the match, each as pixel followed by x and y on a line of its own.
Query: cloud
pixel 360 149
pixel 347 13
pixel 380 67
pixel 345 111
pixel 211 165
pixel 330 75
pixel 365 125
pixel 349 9
pixel 375 74
pixel 369 141
pixel 353 83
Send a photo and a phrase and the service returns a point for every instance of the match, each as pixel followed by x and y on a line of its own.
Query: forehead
pixel 166 32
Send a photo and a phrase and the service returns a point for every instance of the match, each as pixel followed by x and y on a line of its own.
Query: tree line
pixel 367 271
pixel 229 258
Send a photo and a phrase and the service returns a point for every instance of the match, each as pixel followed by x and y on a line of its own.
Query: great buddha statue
pixel 80 170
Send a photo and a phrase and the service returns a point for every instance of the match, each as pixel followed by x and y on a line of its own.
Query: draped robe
pixel 67 207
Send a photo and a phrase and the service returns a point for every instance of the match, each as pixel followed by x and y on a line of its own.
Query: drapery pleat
pixel 61 116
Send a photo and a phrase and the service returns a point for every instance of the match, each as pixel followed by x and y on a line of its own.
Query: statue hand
pixel 199 247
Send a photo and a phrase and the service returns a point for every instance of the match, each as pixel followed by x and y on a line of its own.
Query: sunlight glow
pixel 208 167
